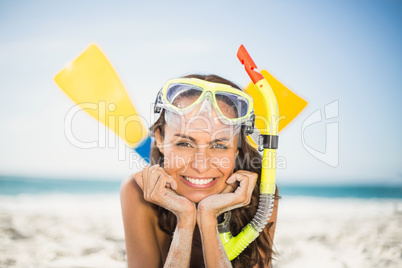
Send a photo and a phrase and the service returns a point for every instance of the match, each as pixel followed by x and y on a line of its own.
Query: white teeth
pixel 197 181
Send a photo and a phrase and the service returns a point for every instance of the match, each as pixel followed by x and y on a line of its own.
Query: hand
pixel 214 205
pixel 159 188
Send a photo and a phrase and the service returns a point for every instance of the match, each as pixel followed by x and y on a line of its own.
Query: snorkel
pixel 268 143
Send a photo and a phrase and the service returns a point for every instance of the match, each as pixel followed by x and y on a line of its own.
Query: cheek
pixel 225 162
pixel 175 160
pixel 229 167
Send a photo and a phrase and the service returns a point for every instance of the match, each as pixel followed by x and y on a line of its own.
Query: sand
pixel 86 231
pixel 61 231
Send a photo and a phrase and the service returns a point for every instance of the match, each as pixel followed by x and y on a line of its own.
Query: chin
pixel 196 197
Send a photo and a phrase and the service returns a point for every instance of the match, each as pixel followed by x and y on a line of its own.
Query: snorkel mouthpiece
pixel 268 144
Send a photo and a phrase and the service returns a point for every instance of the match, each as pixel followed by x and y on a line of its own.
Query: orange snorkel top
pixel 249 64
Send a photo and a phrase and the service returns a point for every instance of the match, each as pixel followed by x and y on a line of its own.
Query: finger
pixel 145 173
pixel 138 179
pixel 164 181
pixel 244 181
pixel 230 188
pixel 169 180
pixel 153 177
pixel 159 191
pixel 172 182
pixel 232 178
pixel 243 186
pixel 242 191
pixel 252 181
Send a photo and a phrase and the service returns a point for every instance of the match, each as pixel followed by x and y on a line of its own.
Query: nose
pixel 201 161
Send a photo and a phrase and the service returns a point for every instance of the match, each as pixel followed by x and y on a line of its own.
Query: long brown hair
pixel 248 159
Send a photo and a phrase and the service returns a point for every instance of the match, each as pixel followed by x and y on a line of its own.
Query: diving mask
pixel 185 99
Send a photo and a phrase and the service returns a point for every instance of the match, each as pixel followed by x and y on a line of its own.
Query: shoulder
pixel 129 186
pixel 138 214
pixel 132 198
pixel 142 245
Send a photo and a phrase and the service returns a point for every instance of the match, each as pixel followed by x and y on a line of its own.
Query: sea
pixel 11 185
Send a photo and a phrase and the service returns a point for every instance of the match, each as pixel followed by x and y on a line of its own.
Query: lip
pixel 198 186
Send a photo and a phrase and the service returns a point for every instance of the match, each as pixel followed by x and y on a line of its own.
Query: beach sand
pixel 87 231
pixel 339 233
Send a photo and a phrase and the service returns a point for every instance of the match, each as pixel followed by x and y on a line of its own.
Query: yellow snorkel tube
pixel 268 143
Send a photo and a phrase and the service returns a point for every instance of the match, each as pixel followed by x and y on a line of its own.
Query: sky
pixel 342 57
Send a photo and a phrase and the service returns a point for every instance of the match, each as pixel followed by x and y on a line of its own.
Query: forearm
pixel 213 250
pixel 180 248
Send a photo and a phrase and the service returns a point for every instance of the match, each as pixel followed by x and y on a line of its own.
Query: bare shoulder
pixel 133 203
pixel 139 226
pixel 130 189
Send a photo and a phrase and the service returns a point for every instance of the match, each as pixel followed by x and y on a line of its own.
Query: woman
pixel 201 166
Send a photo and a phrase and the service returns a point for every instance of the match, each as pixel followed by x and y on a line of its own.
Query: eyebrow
pixel 193 140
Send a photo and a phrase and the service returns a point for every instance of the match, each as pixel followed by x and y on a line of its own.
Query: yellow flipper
pixel 289 104
pixel 91 82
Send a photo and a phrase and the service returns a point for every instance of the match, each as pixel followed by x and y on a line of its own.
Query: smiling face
pixel 200 160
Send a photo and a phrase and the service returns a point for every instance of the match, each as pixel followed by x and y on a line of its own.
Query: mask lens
pixel 183 95
pixel 231 105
